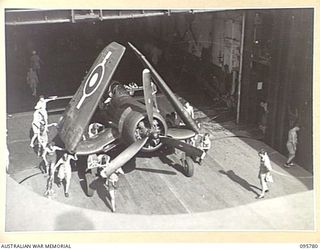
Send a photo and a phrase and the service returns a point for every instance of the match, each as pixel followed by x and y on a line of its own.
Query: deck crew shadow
pixel 99 186
pixel 242 182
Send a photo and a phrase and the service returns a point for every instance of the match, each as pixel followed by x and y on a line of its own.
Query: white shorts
pixel 36 129
pixel 291 148
pixel 64 172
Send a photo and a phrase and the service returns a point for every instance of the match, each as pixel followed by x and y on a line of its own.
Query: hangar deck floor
pixel 227 178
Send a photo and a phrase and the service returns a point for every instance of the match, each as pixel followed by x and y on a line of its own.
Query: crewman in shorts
pixel 37 122
pixel 264 172
pixel 64 171
pixel 111 180
pixel 189 109
pixel 49 156
pixel 42 139
pixel 40 117
pixel 205 145
pixel 42 106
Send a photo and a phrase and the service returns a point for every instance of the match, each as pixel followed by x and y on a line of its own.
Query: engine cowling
pixel 130 117
pixel 136 126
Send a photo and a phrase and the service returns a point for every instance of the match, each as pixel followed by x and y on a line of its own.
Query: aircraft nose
pixel 155 135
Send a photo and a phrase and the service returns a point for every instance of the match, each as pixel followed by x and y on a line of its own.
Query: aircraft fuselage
pixel 130 117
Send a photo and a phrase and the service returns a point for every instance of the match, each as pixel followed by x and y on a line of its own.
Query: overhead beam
pixel 43 16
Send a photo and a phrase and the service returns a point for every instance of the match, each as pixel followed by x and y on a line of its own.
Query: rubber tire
pixel 89 179
pixel 189 167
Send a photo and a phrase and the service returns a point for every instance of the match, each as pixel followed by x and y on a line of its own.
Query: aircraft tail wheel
pixel 89 179
pixel 188 166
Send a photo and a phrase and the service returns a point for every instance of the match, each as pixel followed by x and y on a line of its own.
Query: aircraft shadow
pixel 176 166
pixel 242 182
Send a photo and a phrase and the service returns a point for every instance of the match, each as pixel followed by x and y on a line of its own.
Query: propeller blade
pixel 123 157
pixel 167 92
pixel 185 147
pixel 147 90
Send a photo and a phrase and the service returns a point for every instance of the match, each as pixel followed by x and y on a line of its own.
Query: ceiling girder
pixel 42 16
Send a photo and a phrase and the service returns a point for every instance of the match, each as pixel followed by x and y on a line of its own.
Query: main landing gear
pixel 187 164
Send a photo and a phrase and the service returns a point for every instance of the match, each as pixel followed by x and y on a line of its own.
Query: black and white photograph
pixel 130 120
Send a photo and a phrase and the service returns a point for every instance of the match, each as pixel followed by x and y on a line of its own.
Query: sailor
pixel 205 145
pixel 41 106
pixel 39 119
pixel 32 81
pixel 264 172
pixel 94 129
pixel 49 156
pixel 189 109
pixel 64 171
pixel 42 139
pixel 111 181
pixel 42 103
pixel 292 145
pixel 35 62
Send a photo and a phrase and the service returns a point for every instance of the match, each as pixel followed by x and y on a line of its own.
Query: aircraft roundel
pixel 94 80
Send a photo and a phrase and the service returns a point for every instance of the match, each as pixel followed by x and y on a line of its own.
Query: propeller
pixel 174 138
pixel 123 157
pixel 147 91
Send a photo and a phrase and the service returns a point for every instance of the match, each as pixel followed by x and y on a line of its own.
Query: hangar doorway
pixel 198 54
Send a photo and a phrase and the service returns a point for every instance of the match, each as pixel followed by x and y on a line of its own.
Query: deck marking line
pixel 176 194
pixel 292 176
pixel 21 140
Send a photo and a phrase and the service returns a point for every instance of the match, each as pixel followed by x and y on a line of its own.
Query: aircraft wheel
pixel 188 166
pixel 89 179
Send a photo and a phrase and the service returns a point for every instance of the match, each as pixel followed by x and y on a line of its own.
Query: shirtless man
pixel 65 171
pixel 110 180
pixel 189 109
pixel 38 120
pixel 49 156
pixel 40 116
pixel 43 137
pixel 33 81
pixel 264 172
pixel 205 145
pixel 42 103
pixel 292 145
